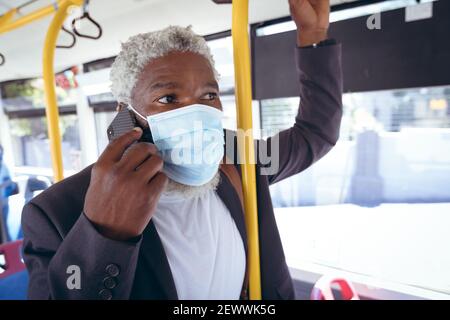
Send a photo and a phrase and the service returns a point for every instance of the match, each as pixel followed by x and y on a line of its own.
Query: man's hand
pixel 312 18
pixel 125 188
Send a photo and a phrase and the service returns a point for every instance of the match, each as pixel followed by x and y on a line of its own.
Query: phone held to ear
pixel 124 122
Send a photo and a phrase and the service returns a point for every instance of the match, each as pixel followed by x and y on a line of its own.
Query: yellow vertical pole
pixel 241 52
pixel 51 107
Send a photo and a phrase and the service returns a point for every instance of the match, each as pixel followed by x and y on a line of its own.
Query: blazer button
pixel 105 294
pixel 113 270
pixel 109 282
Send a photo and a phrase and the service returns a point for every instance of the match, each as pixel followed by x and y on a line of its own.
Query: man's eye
pixel 210 96
pixel 167 99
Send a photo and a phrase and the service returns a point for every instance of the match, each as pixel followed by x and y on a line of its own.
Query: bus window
pixel 23 105
pixel 376 206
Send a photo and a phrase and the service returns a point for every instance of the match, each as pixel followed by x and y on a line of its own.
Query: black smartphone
pixel 125 121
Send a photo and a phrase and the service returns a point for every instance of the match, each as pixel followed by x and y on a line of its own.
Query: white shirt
pixel 204 248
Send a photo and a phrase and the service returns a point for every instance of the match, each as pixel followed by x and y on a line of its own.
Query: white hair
pixel 140 49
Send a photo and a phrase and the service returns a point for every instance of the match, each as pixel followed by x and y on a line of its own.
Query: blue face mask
pixel 190 141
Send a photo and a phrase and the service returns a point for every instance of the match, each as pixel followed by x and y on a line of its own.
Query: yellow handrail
pixel 8 24
pixel 241 52
pixel 6 18
pixel 51 107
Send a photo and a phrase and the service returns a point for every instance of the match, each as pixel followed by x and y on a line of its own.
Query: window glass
pixel 222 51
pixel 377 203
pixel 278 114
pixel 29 94
pixel 31 144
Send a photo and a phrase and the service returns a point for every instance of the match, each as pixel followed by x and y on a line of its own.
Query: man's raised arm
pixel 317 124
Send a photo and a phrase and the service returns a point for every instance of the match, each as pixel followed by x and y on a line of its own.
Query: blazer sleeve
pixel 317 124
pixel 105 267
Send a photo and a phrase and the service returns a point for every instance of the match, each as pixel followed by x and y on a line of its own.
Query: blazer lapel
pixel 231 200
pixel 155 259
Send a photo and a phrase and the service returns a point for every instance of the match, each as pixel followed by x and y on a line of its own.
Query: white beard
pixel 184 191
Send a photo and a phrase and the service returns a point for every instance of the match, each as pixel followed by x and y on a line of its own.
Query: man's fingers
pixel 158 184
pixel 302 9
pixel 321 5
pixel 116 148
pixel 136 155
pixel 150 167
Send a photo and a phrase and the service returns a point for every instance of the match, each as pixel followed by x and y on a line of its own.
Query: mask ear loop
pixel 130 107
pixel 147 132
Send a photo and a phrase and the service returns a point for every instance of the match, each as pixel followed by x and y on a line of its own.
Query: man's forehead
pixel 178 60
pixel 172 70
pixel 176 71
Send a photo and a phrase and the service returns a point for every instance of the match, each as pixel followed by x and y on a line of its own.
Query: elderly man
pixel 137 225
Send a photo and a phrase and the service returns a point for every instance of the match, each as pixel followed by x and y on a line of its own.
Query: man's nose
pixel 187 101
pixel 190 100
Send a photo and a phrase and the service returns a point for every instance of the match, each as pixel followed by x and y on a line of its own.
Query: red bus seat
pixel 322 290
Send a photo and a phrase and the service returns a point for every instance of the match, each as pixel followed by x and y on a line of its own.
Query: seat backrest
pixel 15 286
pixel 13 275
pixel 12 259
pixel 323 289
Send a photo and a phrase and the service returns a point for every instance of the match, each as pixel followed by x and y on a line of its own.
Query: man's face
pixel 174 81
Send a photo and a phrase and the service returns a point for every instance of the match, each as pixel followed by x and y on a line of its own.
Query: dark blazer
pixel 57 234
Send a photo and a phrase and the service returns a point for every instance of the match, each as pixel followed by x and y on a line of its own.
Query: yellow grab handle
pixel 241 52
pixel 51 107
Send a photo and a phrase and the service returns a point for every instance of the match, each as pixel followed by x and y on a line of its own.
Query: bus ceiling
pixel 119 20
